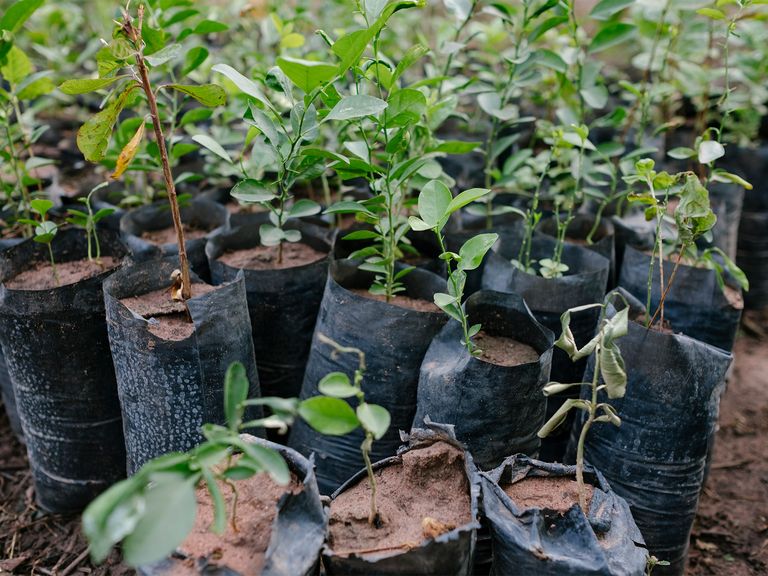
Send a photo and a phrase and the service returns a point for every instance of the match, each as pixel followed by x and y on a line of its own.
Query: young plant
pixel 691 219
pixel 20 85
pixel 45 230
pixel 331 414
pixel 88 221
pixel 287 139
pixel 152 512
pixel 136 48
pixel 608 375
pixel 435 206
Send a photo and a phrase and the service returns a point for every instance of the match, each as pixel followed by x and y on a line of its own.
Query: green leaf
pixel 348 207
pixel 337 385
pixel 434 200
pixel 194 58
pixel 209 27
pixel 93 136
pixel 219 524
pixel 167 54
pixel 211 144
pixel 307 74
pixel 709 151
pixel 246 85
pixel 447 304
pixel 681 153
pixel 724 176
pixel 266 459
pixel 85 85
pixel 113 515
pixel 209 95
pixel 374 419
pixel 550 59
pixel 356 106
pixel 456 147
pixel 466 197
pixel 170 510
pixel 304 207
pixel 18 13
pixel 331 416
pixel 264 123
pixel 611 35
pixel 235 393
pixel 406 107
pixel 41 205
pixel 292 40
pixel 194 116
pixel 712 13
pixel 474 250
pixel 604 9
pixel 350 47
pixel 252 191
pixel 270 235
pixel 418 225
pixel 17 66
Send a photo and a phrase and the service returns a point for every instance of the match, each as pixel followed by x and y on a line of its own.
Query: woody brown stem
pixel 170 187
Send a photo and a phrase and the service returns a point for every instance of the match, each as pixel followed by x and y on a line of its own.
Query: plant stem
pixel 373 517
pixel 462 314
pixel 186 286
pixel 524 256
pixel 592 411
pixel 53 264
pixel 660 308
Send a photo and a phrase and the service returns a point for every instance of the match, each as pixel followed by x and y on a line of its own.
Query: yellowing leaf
pixel 128 153
pixel 93 136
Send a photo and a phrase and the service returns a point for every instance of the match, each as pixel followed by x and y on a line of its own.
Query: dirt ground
pixel 730 537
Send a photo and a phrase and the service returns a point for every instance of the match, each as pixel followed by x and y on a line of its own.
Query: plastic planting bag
pixel 543 542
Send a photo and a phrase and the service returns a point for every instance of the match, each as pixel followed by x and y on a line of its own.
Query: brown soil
pixel 173 322
pixel 242 550
pixel 265 257
pixel 559 493
pixel 168 235
pixel 730 535
pixel 504 351
pixel 400 300
pixel 40 275
pixel 424 496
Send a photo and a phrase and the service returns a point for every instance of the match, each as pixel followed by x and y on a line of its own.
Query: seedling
pixel 608 369
pixel 152 512
pixel 45 230
pixel 88 221
pixel 435 206
pixel 692 219
pixel 331 414
pixel 130 51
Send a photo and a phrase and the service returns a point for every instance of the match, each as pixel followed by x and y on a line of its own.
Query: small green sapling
pixel 88 220
pixel 608 369
pixel 45 230
pixel 435 206
pixel 331 414
pixel 152 512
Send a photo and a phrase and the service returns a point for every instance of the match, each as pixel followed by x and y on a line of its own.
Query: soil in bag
pixel 427 502
pixel 278 530
pixel 495 400
pixel 539 529
pixel 171 357
pixel 674 382
pixel 284 293
pixel 695 305
pixel 584 283
pixel 55 344
pixel 149 232
pixel 394 339
pixel 603 239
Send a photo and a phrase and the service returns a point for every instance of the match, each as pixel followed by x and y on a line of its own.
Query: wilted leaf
pixel 128 153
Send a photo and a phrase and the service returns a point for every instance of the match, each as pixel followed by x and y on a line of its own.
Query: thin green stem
pixel 592 411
